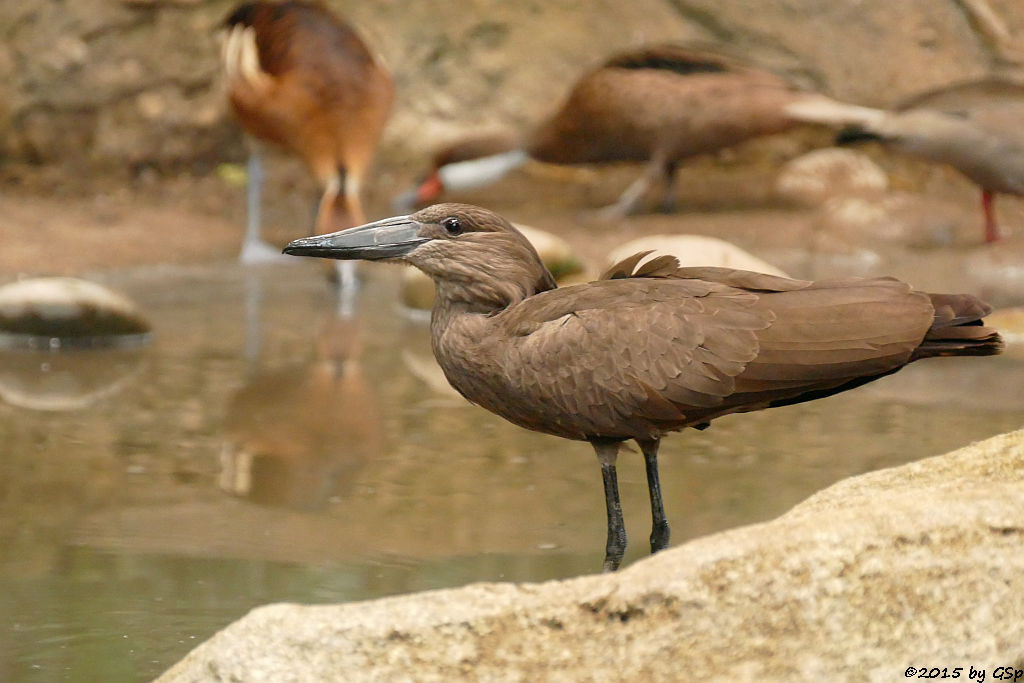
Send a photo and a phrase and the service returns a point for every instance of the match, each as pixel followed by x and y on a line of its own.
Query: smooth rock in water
pixel 818 176
pixel 54 312
pixel 695 250
pixel 918 565
pixel 417 289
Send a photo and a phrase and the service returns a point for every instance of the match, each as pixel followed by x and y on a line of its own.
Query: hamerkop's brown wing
pixel 674 347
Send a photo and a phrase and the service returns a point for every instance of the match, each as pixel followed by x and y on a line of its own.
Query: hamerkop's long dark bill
pixel 389 238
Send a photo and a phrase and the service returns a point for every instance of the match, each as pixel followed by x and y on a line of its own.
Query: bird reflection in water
pixel 296 436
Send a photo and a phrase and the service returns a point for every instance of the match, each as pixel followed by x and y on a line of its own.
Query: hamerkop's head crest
pixel 474 255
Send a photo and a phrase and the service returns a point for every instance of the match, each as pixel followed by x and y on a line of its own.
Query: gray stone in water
pixel 57 312
pixel 917 566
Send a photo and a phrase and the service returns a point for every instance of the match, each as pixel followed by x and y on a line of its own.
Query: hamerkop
pixel 299 77
pixel 651 349
pixel 975 127
pixel 657 104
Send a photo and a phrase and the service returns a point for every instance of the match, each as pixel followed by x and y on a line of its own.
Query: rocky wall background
pixel 126 85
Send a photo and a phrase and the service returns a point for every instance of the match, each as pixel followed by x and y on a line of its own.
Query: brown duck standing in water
pixel 299 77
pixel 657 105
pixel 649 350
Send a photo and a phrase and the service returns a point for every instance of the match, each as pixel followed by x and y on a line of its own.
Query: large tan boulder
pixel 916 566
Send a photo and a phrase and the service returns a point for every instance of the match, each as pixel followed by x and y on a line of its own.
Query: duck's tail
pixel 813 108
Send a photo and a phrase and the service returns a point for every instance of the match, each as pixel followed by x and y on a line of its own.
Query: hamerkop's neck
pixel 488 279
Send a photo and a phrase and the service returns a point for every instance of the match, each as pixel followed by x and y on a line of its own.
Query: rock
pixel 818 176
pixel 869 52
pixel 556 254
pixel 900 218
pixel 918 565
pixel 50 313
pixel 695 250
pixel 417 289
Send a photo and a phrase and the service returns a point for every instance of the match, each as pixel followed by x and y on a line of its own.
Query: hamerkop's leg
pixel 659 527
pixel 607 452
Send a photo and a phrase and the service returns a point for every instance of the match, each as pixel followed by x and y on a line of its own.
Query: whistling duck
pixel 658 104
pixel 975 127
pixel 649 349
pixel 299 77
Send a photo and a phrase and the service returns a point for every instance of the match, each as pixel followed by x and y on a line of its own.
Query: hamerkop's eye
pixel 452 225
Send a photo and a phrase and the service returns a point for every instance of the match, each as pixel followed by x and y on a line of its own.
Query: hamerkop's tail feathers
pixel 958 329
pixel 958 309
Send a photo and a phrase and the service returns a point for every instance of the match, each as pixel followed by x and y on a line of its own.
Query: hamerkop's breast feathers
pixel 648 348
